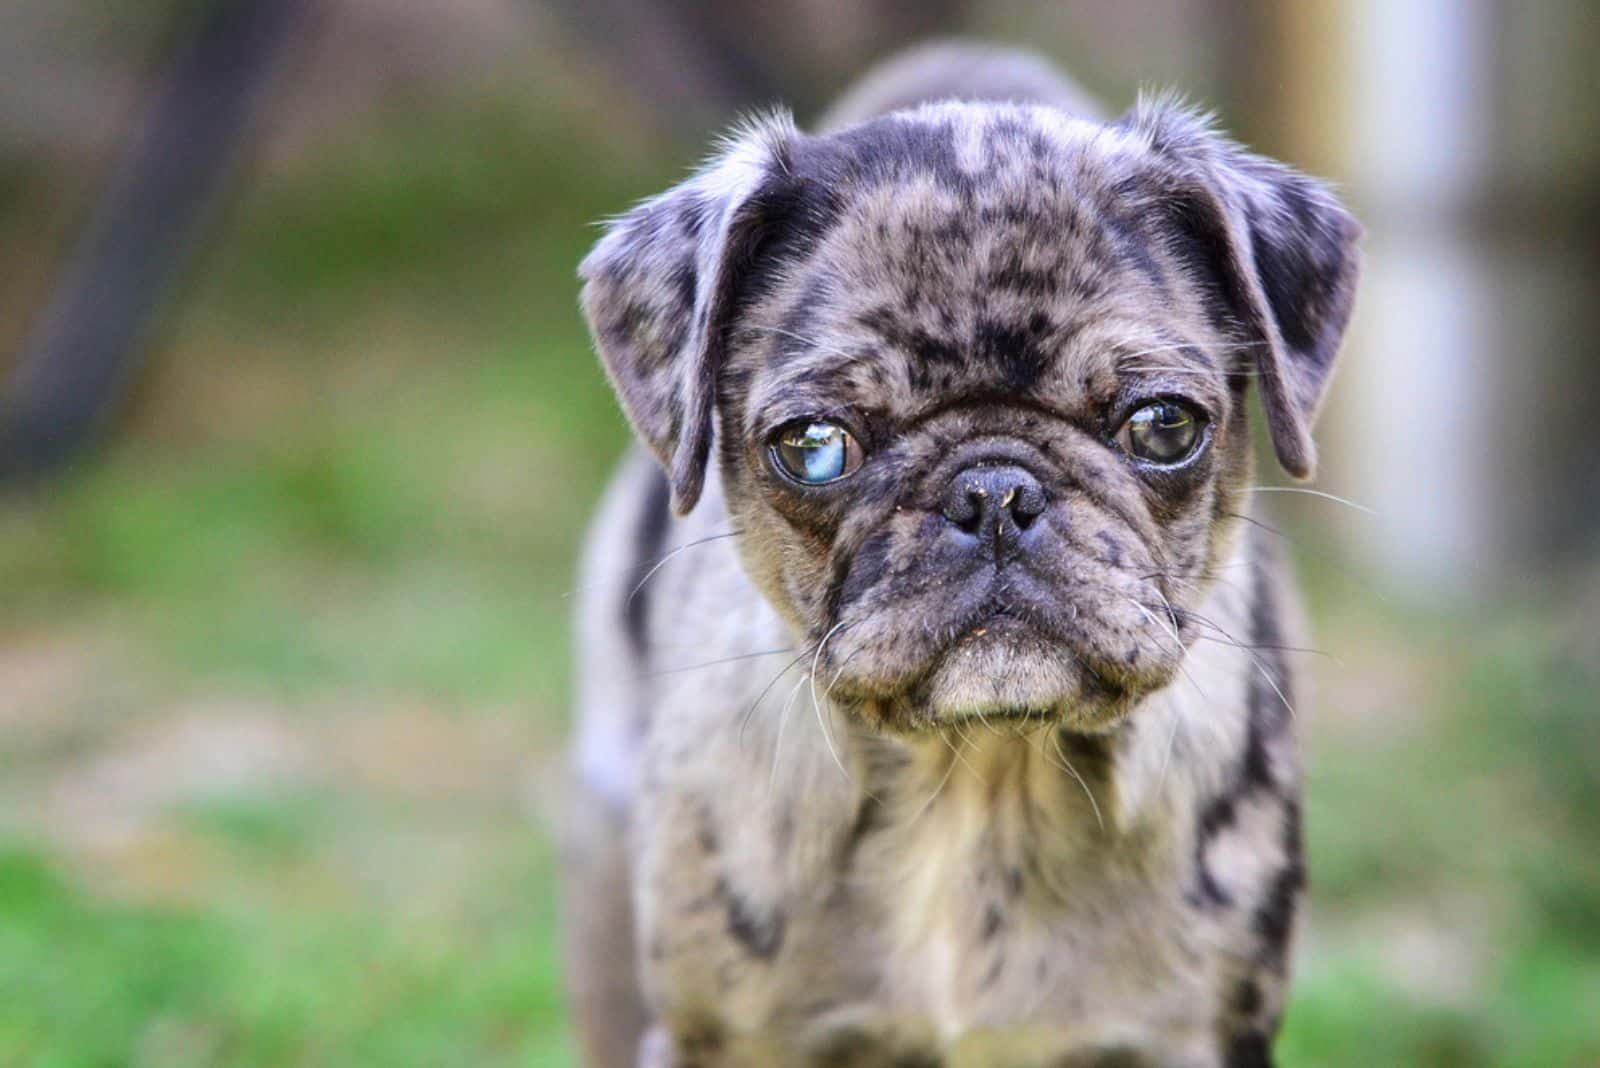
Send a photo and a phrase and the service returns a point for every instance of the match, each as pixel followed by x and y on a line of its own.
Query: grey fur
pixel 882 793
pixel 957 70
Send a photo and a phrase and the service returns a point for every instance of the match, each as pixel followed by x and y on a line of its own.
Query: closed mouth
pixel 1012 714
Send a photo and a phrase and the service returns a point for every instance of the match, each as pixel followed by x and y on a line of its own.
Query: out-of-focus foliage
pixel 282 670
pixel 283 674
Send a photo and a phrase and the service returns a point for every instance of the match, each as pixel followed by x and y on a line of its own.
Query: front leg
pixel 599 928
pixel 656 1049
pixel 661 1048
pixel 1248 1049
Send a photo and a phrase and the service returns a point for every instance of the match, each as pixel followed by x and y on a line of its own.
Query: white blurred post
pixel 1417 417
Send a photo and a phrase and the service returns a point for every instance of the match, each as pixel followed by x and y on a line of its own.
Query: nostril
pixel 964 506
pixel 978 504
pixel 1025 501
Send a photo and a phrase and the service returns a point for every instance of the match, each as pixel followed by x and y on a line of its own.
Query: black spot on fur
pixel 782 222
pixel 1113 546
pixel 1216 816
pixel 685 278
pixel 706 834
pixel 890 149
pixel 1249 1049
pixel 1247 998
pixel 1269 686
pixel 994 921
pixel 1012 275
pixel 1091 754
pixel 1274 916
pixel 870 818
pixel 1296 274
pixel 1256 763
pixel 929 353
pixel 1266 636
pixel 760 934
pixel 648 536
pixel 1017 352
pixel 1133 247
pixel 700 1041
pixel 857 1048
pixel 1193 238
pixel 866 568
pixel 1116 1057
pixel 1267 717
pixel 795 326
pixel 917 1060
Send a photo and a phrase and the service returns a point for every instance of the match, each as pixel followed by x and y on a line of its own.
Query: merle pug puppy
pixel 949 723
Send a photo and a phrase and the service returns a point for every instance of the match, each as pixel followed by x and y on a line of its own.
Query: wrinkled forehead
pixel 969 249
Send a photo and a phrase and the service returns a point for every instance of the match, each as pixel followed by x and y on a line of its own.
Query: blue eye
pixel 816 452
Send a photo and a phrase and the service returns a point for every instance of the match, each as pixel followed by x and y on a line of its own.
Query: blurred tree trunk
pixel 146 228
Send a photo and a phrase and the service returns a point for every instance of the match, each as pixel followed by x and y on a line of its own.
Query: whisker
pixel 1055 740
pixel 1184 649
pixel 648 575
pixel 1255 661
pixel 1264 647
pixel 783 721
pixel 713 663
pixel 1273 683
pixel 1326 557
pixel 653 564
pixel 939 789
pixel 827 735
pixel 1227 346
pixel 744 720
pixel 837 675
pixel 983 719
pixel 1160 369
pixel 811 343
pixel 1313 493
pixel 961 733
pixel 1166 756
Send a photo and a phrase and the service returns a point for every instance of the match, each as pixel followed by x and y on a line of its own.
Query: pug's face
pixel 978 378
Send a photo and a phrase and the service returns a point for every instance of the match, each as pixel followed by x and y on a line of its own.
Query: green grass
pixel 398 533
pixel 87 983
pixel 344 513
pixel 1472 821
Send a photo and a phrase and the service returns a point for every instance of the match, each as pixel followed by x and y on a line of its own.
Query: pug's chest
pixel 959 959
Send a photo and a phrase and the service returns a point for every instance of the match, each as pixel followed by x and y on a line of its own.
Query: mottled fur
pixel 883 793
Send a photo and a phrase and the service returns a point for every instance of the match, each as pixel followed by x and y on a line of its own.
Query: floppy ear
pixel 1281 253
pixel 658 290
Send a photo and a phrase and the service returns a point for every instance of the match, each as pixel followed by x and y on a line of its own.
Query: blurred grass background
pixel 283 673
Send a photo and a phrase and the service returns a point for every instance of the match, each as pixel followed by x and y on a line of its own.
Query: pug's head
pixel 975 379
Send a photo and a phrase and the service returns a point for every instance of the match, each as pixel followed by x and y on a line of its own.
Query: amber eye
pixel 815 452
pixel 1164 432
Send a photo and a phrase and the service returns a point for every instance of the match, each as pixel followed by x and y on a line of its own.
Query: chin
pixel 1003 676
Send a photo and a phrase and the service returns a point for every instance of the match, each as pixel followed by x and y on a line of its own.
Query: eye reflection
pixel 816 452
pixel 1164 432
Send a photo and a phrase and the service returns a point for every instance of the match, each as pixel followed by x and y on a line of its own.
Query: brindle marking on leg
pixel 1274 916
pixel 1249 1049
pixel 1266 719
pixel 1118 1057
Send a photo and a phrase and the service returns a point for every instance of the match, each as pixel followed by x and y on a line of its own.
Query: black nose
pixel 993 503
